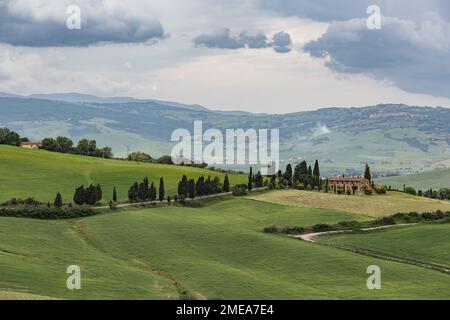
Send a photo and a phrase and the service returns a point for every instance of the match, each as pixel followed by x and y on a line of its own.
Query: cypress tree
pixel 58 200
pixel 183 187
pixel 80 196
pixel 91 195
pixel 99 192
pixel 152 192
pixel 250 180
pixel 143 191
pixel 316 171
pixel 161 189
pixel 208 186
pixel 200 186
pixel 367 173
pixel 226 184
pixel 191 188
pixel 259 181
pixel 310 173
pixel 114 195
pixel 133 192
pixel 296 175
pixel 147 190
pixel 303 168
pixel 288 174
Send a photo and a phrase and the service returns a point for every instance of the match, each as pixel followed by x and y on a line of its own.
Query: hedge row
pixel 46 213
pixel 398 218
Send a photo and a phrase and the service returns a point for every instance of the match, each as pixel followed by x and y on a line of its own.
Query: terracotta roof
pixel 31 143
pixel 348 179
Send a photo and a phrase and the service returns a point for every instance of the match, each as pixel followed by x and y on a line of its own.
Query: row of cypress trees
pixel 146 191
pixel 189 188
pixel 90 195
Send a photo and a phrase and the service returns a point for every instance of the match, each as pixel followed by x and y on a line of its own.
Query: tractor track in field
pixel 80 229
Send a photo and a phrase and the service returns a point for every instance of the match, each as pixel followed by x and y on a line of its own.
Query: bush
pixel 271 229
pixel 321 227
pixel 380 189
pixel 46 213
pixel 240 190
pixel 28 202
pixel 299 185
pixel 340 190
pixel 410 190
pixel 367 190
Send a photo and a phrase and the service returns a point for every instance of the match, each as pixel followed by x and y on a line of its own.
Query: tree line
pixel 11 138
pixel 85 147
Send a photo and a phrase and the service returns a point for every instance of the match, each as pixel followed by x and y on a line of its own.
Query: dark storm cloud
pixel 20 27
pixel 415 56
pixel 330 10
pixel 223 39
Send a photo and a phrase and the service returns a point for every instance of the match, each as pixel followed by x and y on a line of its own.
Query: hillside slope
pixel 435 179
pixel 41 174
pixel 392 138
pixel 216 252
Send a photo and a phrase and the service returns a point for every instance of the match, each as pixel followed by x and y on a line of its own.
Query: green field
pixel 435 179
pixel 374 205
pixel 40 174
pixel 213 250
pixel 426 243
pixel 216 251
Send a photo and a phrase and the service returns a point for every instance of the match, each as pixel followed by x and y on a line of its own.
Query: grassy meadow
pixel 438 178
pixel 374 205
pixel 427 243
pixel 217 251
pixel 41 174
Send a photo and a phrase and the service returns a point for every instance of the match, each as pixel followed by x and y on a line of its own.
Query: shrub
pixel 340 190
pixel 321 227
pixel 299 185
pixel 410 190
pixel 380 189
pixel 44 212
pixel 271 229
pixel 28 202
pixel 367 190
pixel 240 190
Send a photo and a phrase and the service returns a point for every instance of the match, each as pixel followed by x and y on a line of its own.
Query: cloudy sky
pixel 273 56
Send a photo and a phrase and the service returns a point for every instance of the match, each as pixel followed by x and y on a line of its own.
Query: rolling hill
pixel 373 206
pixel 435 179
pixel 216 251
pixel 394 139
pixel 41 174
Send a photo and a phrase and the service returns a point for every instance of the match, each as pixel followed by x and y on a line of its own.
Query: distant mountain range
pixel 392 138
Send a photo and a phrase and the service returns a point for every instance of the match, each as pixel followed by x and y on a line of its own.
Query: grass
pixel 426 243
pixel 374 206
pixel 34 256
pixel 216 251
pixel 40 174
pixel 435 179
